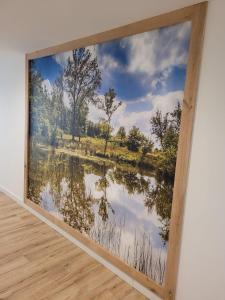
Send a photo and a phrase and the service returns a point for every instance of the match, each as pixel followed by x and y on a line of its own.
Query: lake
pixel 106 202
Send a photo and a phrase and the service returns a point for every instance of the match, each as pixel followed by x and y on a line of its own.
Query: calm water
pixel 108 203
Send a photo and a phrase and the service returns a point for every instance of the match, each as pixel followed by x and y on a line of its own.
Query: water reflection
pixel 124 211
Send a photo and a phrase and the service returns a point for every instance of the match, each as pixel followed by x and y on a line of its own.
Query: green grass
pixel 94 148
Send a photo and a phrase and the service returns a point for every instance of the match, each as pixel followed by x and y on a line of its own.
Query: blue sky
pixel 146 70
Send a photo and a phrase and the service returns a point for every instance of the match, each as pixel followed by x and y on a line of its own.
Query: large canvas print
pixel 105 120
pixel 104 130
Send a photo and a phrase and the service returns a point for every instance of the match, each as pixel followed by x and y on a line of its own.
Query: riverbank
pixel 98 160
pixel 117 151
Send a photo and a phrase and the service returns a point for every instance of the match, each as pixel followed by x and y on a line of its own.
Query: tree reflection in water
pixel 91 212
pixel 159 197
pixel 77 206
pixel 101 185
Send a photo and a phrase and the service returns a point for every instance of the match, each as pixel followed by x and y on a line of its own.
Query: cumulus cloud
pixel 122 117
pixel 108 63
pixel 157 50
pixel 166 103
pixel 161 79
pixel 62 58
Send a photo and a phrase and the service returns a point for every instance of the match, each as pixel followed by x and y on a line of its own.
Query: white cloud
pixel 47 85
pixel 142 55
pixel 161 79
pixel 122 117
pixel 167 103
pixel 108 63
pixel 62 58
pixel 157 50
pixel 95 114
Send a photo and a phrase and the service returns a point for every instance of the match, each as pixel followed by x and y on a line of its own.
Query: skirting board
pixel 147 293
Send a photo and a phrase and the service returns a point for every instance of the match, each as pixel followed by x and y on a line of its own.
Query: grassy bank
pixel 93 148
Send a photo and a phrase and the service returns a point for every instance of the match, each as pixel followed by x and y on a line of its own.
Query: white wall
pixel 12 124
pixel 27 25
pixel 202 264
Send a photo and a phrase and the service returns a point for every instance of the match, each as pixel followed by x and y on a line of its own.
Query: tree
pixel 59 113
pixel 39 107
pixel 105 129
pixel 82 78
pixel 92 129
pixel 109 106
pixel 147 146
pixel 159 125
pixel 134 139
pixel 176 118
pixel 166 129
pixel 121 133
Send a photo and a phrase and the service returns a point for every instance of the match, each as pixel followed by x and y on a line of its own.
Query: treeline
pixel 49 117
pixel 80 79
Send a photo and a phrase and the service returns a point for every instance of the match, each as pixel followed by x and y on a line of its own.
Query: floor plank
pixel 38 263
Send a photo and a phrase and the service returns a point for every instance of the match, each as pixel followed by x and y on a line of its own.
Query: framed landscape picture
pixel 109 121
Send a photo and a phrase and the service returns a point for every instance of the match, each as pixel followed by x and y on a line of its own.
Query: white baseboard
pixel 147 293
pixel 11 195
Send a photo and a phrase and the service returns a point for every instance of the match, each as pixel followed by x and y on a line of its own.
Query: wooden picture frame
pixel 196 14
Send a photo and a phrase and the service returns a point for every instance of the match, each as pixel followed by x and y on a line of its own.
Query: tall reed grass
pixel 138 253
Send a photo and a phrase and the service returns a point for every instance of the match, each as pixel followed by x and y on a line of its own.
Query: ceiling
pixel 29 25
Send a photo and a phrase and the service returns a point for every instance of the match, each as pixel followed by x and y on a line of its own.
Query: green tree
pixel 176 118
pixel 82 78
pixel 59 111
pixel 121 134
pixel 104 129
pixel 166 129
pixel 134 139
pixel 160 198
pixel 109 106
pixel 39 107
pixel 159 125
pixel 147 146
pixel 93 129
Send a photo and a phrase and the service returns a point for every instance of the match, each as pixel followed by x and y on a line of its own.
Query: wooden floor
pixel 37 263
